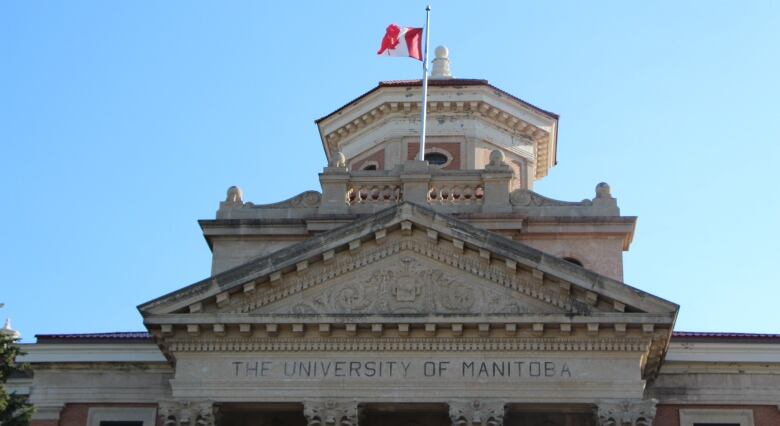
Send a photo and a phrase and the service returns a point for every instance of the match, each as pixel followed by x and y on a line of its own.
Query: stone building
pixel 418 293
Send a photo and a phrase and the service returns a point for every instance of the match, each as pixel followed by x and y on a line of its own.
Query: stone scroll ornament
pixel 187 413
pixel 627 413
pixel 477 413
pixel 330 413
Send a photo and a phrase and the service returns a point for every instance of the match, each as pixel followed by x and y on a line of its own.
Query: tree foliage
pixel 14 409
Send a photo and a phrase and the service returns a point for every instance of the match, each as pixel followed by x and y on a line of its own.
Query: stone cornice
pixel 410 345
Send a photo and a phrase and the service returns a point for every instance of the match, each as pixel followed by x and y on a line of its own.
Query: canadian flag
pixel 402 41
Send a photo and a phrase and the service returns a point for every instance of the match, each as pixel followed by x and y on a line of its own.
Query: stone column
pixel 478 412
pixel 329 412
pixel 629 412
pixel 187 413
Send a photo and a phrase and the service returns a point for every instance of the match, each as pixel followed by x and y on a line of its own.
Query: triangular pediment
pixel 439 245
pixel 396 277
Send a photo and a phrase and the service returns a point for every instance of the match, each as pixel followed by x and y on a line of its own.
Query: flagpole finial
pixel 441 64
pixel 428 8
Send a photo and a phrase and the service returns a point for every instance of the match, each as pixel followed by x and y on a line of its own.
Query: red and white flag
pixel 402 41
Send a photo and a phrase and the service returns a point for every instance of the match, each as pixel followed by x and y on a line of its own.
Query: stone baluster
pixel 334 180
pixel 484 412
pixel 626 412
pixel 187 413
pixel 330 412
pixel 497 177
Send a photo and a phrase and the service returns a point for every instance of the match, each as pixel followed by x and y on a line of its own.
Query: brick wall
pixel 76 414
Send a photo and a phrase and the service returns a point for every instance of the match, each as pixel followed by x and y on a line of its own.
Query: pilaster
pixel 330 412
pixel 629 412
pixel 477 412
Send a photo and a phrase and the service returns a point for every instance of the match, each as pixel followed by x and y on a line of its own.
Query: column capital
pixel 330 412
pixel 187 413
pixel 477 412
pixel 628 412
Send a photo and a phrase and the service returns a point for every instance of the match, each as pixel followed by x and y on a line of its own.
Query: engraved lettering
pixel 565 370
pixel 406 366
pixel 338 371
pixel 535 369
pixel 468 366
pixel 549 369
pixel 354 368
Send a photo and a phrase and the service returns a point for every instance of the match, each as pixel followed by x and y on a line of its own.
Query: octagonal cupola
pixel 467 120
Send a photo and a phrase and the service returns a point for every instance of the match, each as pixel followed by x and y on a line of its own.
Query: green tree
pixel 14 409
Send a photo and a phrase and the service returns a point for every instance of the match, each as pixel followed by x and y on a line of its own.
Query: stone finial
pixel 441 64
pixel 8 331
pixel 338 160
pixel 603 191
pixel 627 413
pixel 234 195
pixel 497 158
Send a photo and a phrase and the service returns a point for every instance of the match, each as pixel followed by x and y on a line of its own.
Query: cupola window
pixel 436 158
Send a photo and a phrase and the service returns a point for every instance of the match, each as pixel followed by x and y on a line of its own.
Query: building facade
pixel 437 292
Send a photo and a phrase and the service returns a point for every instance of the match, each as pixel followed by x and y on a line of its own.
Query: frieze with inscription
pixel 417 369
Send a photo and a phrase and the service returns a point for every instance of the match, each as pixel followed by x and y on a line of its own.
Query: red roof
pixel 443 82
pixel 704 335
pixel 123 336
pixel 144 337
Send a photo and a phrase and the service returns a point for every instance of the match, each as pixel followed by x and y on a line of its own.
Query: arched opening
pixel 370 167
pixel 436 158
pixel 573 260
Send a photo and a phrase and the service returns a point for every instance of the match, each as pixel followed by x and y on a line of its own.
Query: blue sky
pixel 122 123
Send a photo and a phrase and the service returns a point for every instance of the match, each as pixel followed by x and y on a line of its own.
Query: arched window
pixel 370 167
pixel 573 260
pixel 436 158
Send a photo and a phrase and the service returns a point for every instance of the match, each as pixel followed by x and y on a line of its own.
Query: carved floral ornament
pixel 627 413
pixel 187 413
pixel 403 285
pixel 477 412
pixel 330 413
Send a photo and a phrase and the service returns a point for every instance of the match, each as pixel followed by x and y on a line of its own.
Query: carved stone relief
pixel 627 413
pixel 477 413
pixel 187 413
pixel 330 413
pixel 404 284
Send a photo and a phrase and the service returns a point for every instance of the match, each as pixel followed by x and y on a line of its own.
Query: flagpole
pixel 424 112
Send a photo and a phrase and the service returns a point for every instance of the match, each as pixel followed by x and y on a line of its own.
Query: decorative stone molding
pixel 477 412
pixel 330 412
pixel 411 344
pixel 47 411
pixel 496 273
pixel 626 413
pixel 187 413
pixel 528 198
